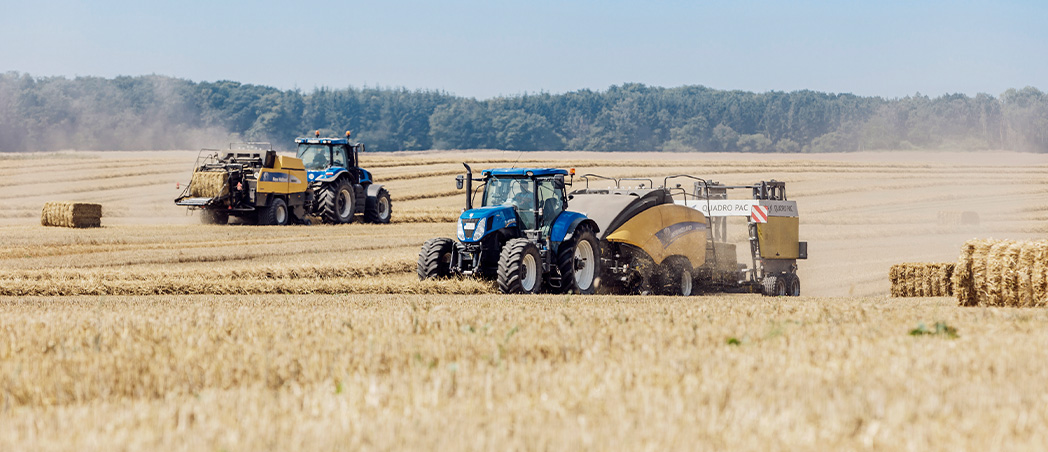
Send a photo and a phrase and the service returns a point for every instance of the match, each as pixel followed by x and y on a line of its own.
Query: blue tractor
pixel 522 235
pixel 341 187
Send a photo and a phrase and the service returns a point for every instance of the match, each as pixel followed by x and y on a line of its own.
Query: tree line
pixel 158 112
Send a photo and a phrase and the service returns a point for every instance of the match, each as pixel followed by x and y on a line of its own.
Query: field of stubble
pixel 157 333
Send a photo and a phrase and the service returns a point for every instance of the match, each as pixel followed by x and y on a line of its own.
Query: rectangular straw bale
pixel 945 278
pixel 922 277
pixel 962 275
pixel 913 279
pixel 1009 274
pixel 209 184
pixel 895 277
pixel 1039 276
pixel 71 214
pixel 1002 273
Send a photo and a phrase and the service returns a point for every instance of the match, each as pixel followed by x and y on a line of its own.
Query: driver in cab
pixel 525 198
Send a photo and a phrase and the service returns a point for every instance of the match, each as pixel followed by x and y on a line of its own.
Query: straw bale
pixel 979 261
pixel 209 184
pixel 1039 275
pixel 921 279
pixel 962 275
pixel 71 214
pixel 945 278
pixel 895 277
pixel 1002 273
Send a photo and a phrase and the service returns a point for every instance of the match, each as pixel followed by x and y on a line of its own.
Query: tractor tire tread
pixel 327 202
pixel 510 261
pixel 371 213
pixel 430 264
pixel 566 263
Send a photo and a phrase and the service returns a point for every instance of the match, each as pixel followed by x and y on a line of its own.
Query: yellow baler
pixel 651 243
pixel 258 187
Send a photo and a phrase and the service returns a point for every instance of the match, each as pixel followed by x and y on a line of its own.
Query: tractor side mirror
pixel 558 181
pixel 458 181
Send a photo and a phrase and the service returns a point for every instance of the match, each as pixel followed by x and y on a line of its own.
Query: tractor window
pixel 552 202
pixel 314 156
pixel 517 192
pixel 340 157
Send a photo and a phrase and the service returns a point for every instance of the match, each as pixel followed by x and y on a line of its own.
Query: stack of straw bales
pixel 921 280
pixel 1002 273
pixel 71 214
pixel 209 184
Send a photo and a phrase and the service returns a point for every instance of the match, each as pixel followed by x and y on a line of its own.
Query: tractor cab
pixel 523 199
pixel 326 158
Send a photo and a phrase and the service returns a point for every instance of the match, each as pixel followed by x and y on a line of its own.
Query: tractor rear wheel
pixel 378 208
pixel 434 261
pixel 579 262
pixel 275 214
pixel 336 202
pixel 208 216
pixel 520 267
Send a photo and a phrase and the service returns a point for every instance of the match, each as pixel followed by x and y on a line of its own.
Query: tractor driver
pixel 319 161
pixel 525 198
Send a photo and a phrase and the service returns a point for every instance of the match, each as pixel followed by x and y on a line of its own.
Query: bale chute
pixel 209 184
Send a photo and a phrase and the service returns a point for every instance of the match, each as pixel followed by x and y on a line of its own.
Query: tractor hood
pixel 325 175
pixel 474 224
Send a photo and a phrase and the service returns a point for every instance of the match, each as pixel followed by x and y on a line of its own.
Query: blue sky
pixel 487 48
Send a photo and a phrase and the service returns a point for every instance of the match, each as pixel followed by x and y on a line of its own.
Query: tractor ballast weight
pixel 254 184
pixel 343 189
pixel 521 235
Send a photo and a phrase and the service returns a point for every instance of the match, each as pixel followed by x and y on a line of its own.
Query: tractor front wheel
pixel 378 208
pixel 520 267
pixel 434 260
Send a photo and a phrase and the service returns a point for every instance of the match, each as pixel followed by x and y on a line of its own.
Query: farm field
pixel 156 332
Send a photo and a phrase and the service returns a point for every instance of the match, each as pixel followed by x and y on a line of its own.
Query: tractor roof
pixel 524 171
pixel 321 141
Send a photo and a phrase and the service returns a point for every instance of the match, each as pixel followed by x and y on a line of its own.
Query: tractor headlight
pixel 481 228
pixel 462 230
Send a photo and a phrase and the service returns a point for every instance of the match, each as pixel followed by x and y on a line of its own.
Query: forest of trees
pixel 157 112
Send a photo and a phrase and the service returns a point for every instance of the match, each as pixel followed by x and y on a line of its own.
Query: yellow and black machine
pixel 251 182
pixel 653 243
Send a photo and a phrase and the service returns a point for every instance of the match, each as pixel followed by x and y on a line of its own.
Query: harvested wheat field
pixel 740 372
pixel 154 332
